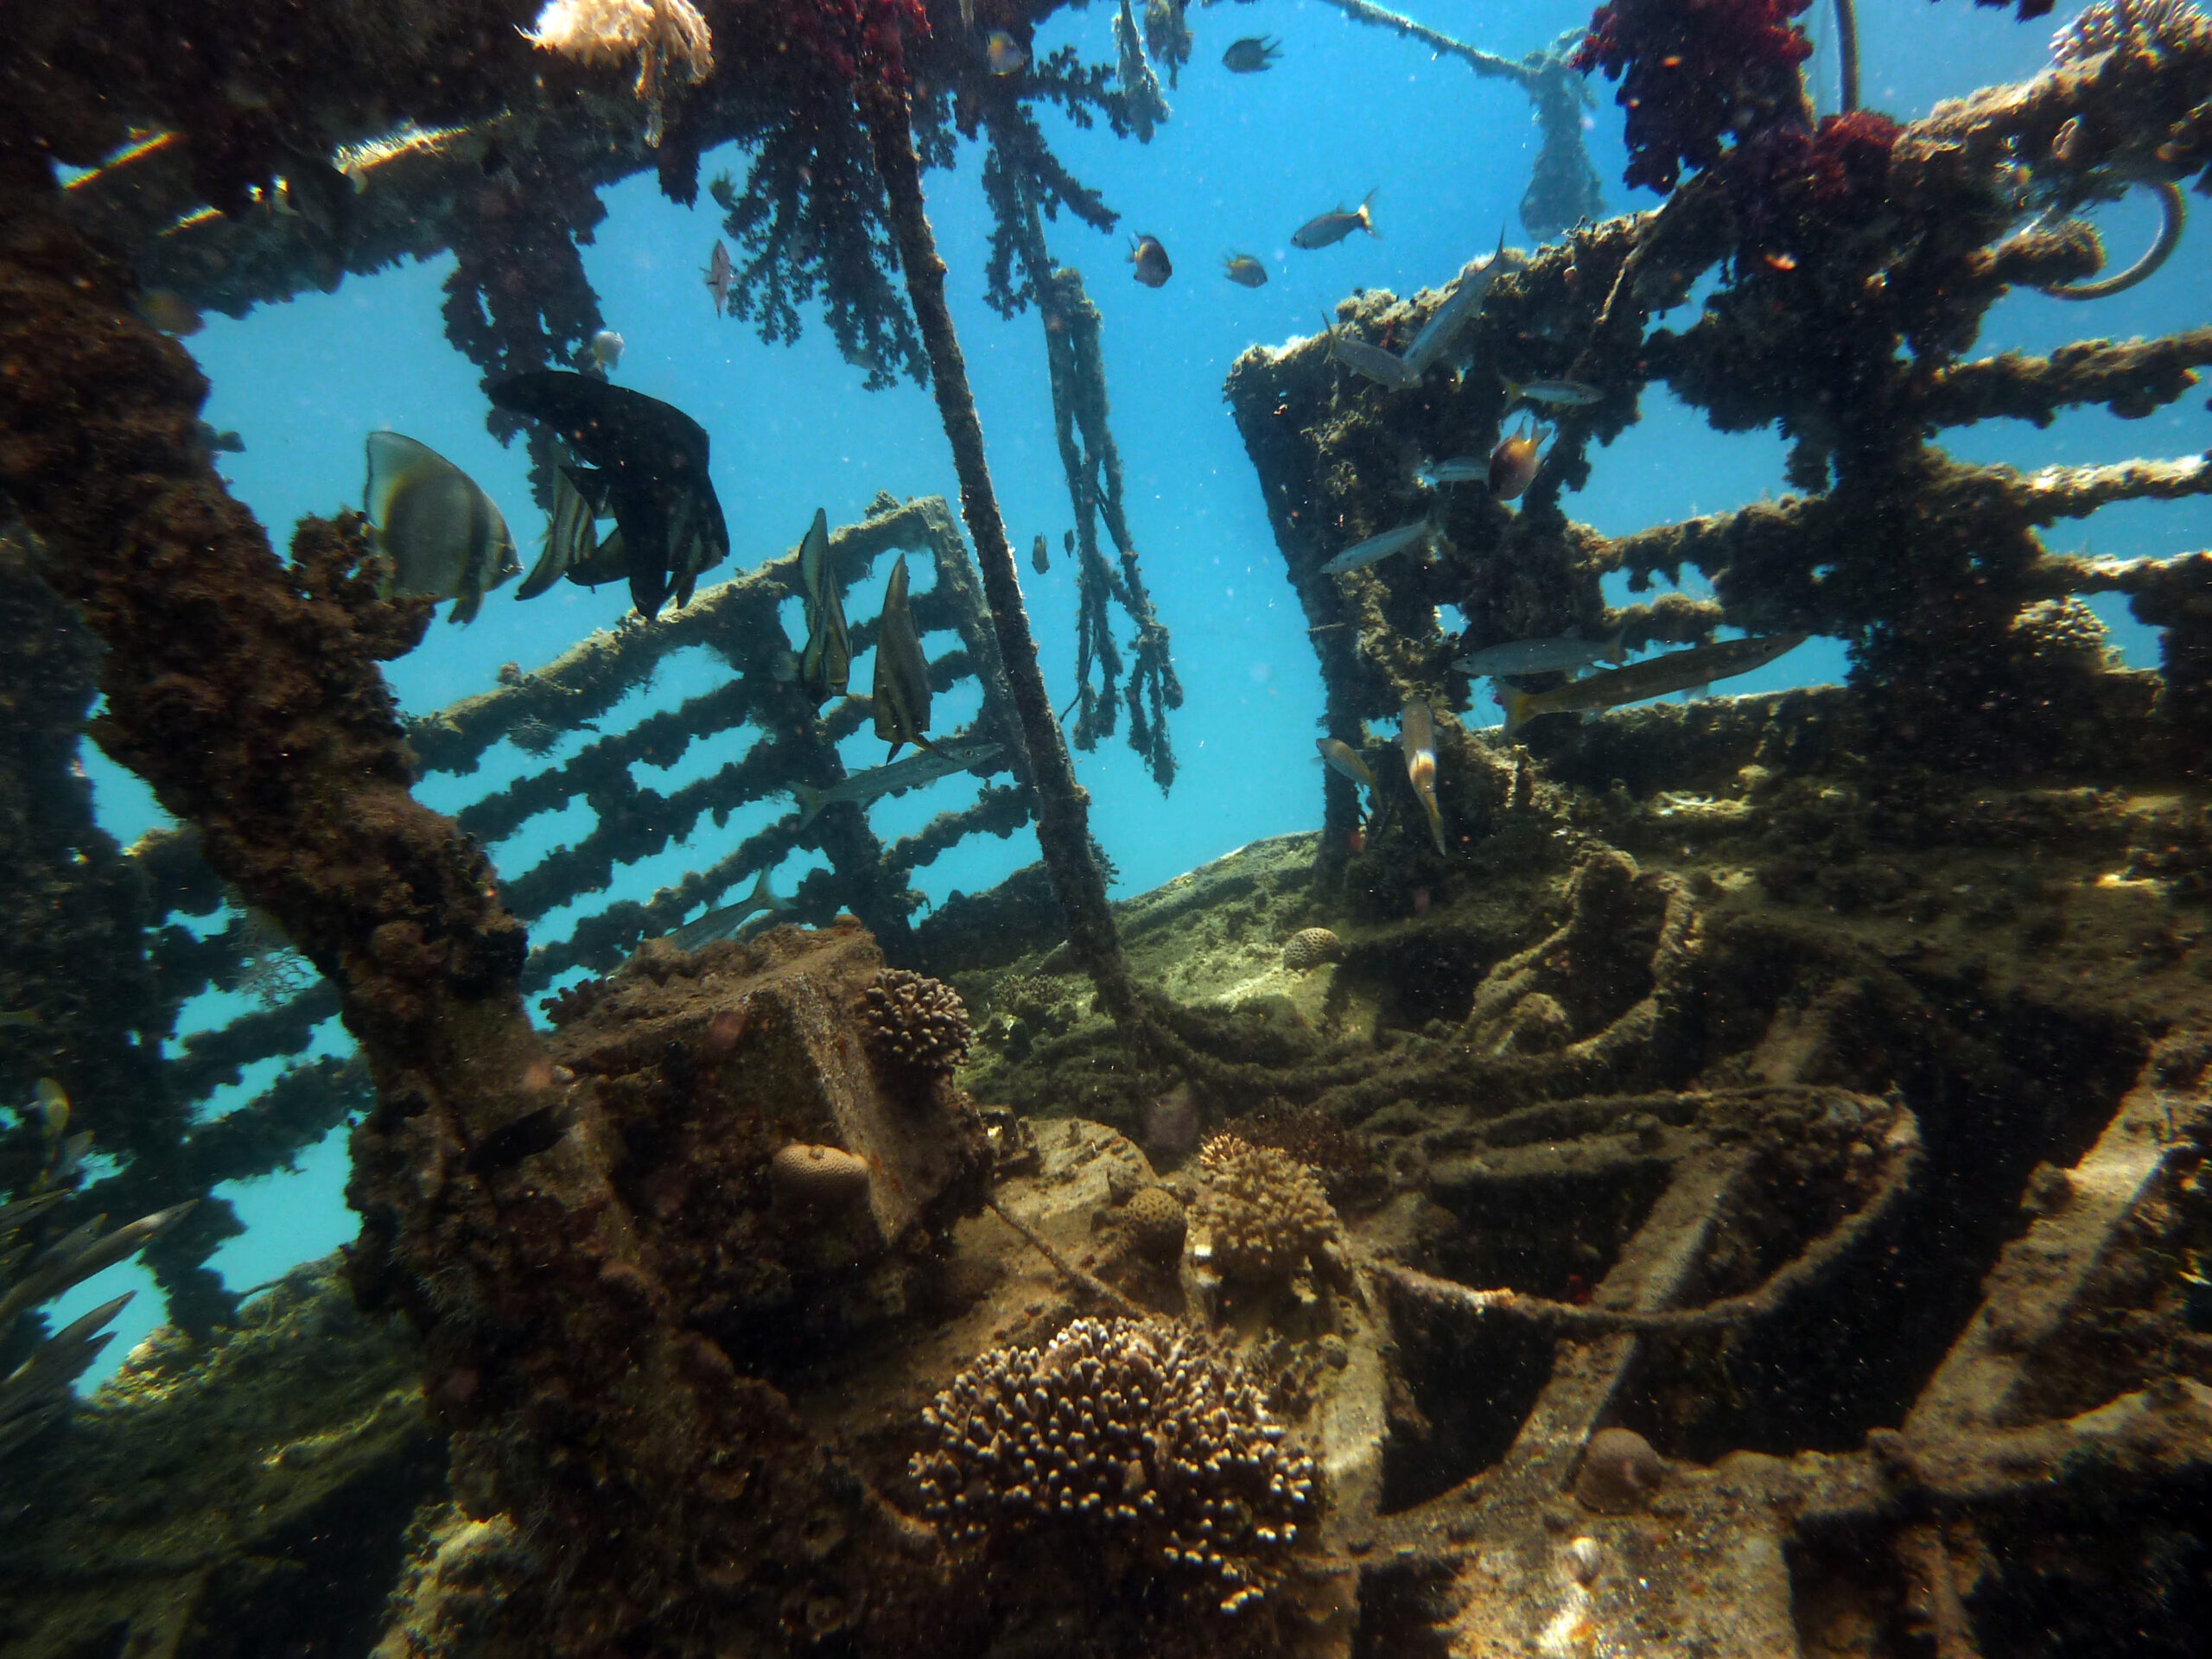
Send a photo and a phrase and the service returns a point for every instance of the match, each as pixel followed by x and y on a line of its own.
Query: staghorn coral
pixel 669 39
pixel 1132 1433
pixel 1692 76
pixel 1261 1216
pixel 916 1023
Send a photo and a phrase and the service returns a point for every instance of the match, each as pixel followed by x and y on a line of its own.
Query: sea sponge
pixel 1619 1473
pixel 820 1175
pixel 915 1021
pixel 1310 947
pixel 1128 1431
pixel 1261 1215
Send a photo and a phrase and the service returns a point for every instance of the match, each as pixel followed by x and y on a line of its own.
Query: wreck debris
pixel 669 39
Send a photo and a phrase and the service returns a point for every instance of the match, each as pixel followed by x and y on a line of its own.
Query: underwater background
pixel 1243 160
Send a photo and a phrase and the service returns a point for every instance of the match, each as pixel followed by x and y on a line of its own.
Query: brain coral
pixel 1262 1213
pixel 1129 1431
pixel 1311 947
pixel 916 1021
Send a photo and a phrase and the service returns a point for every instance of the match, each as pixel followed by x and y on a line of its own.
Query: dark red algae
pixel 1694 74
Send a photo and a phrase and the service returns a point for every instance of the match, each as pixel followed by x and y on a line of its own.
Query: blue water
pixel 1243 160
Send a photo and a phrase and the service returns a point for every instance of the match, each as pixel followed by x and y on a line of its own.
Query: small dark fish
pixel 1244 270
pixel 825 666
pixel 1067 542
pixel 1655 677
pixel 652 477
pixel 1251 54
pixel 444 536
pixel 1331 228
pixel 902 672
pixel 1041 560
pixel 1513 464
pixel 1151 261
pixel 718 276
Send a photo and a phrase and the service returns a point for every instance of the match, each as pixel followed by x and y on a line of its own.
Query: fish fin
pixel 1616 653
pixel 1516 705
pixel 921 742
pixel 1697 693
pixel 809 803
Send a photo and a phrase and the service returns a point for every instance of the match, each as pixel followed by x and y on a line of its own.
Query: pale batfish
pixel 902 674
pixel 650 474
pixel 825 666
pixel 443 535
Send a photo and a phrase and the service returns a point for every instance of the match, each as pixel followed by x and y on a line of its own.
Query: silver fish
pixel 922 767
pixel 443 535
pixel 1360 554
pixel 1655 677
pixel 1540 655
pixel 1460 305
pixel 606 350
pixel 1459 469
pixel 1561 394
pixel 1326 229
pixel 1417 741
pixel 1384 368
pixel 723 924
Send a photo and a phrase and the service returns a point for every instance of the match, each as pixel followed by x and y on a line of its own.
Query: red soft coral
pixel 1693 72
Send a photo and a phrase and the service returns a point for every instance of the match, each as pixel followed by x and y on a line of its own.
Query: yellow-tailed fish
pixel 1655 677
pixel 825 666
pixel 902 673
pixel 443 535
pixel 1325 230
pixel 1417 737
pixel 1343 758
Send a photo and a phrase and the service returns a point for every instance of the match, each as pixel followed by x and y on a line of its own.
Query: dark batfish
pixel 1151 261
pixel 825 666
pixel 902 673
pixel 1329 229
pixel 651 477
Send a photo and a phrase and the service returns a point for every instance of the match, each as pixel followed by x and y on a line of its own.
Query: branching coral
pixel 1693 76
pixel 1261 1215
pixel 1131 1433
pixel 917 1022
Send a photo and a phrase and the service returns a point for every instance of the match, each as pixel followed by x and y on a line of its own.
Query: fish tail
pixel 760 896
pixel 809 803
pixel 1435 821
pixel 1517 708
pixel 1616 651
pixel 1366 223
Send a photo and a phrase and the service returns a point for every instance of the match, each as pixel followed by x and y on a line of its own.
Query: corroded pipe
pixel 2173 215
pixel 1062 821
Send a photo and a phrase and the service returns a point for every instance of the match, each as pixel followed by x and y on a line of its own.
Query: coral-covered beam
pixel 2131 377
